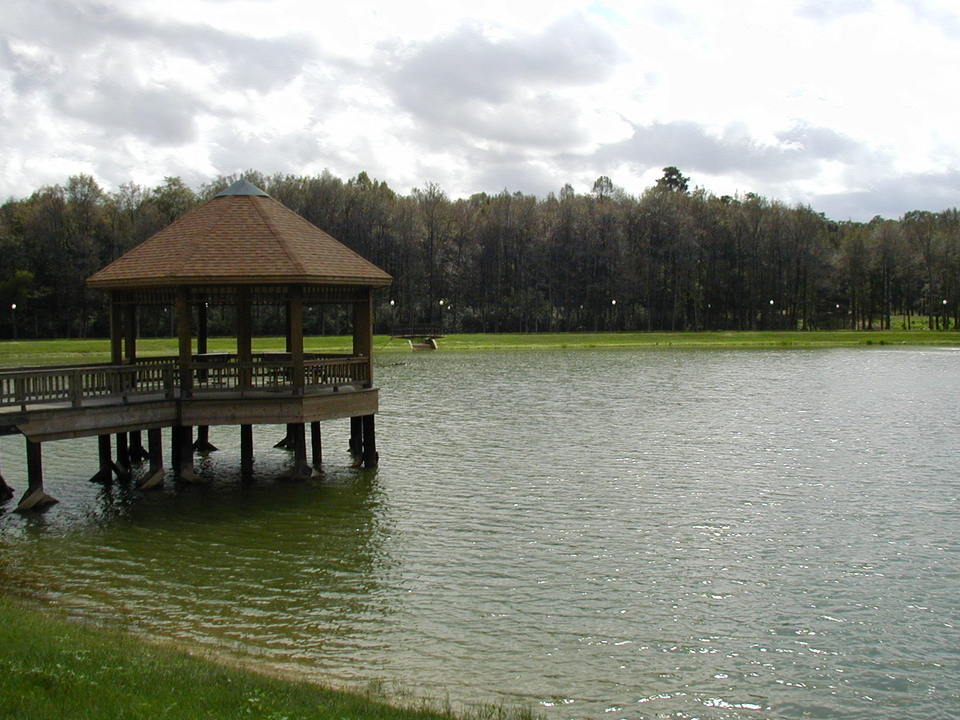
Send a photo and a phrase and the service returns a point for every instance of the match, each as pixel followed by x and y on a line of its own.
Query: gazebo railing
pixel 79 385
pixel 75 384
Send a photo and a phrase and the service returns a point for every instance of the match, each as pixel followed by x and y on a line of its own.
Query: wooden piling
pixel 106 455
pixel 137 452
pixel 370 457
pixel 108 468
pixel 356 437
pixel 154 477
pixel 181 453
pixel 176 456
pixel 286 442
pixel 203 443
pixel 123 457
pixel 246 451
pixel 298 443
pixel 35 498
pixel 316 444
pixel 6 492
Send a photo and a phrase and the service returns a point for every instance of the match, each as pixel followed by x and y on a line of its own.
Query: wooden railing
pixel 78 385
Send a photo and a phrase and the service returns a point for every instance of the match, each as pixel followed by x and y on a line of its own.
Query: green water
pixel 641 534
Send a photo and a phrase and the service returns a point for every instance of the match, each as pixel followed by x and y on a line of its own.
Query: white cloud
pixel 848 102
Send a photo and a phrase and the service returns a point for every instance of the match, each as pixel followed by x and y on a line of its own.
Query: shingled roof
pixel 241 236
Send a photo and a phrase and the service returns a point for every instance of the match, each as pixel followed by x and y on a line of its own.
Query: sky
pixel 849 106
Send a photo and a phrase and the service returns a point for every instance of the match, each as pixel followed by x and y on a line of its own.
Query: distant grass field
pixel 51 667
pixel 55 352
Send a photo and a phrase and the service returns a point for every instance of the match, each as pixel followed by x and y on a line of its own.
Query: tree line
pixel 671 258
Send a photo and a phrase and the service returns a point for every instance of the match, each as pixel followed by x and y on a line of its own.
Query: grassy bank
pixel 754 339
pixel 51 667
pixel 48 352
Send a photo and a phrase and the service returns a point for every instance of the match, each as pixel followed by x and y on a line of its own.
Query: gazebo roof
pixel 240 237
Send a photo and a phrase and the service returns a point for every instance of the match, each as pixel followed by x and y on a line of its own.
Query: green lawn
pixel 747 339
pixel 52 352
pixel 52 668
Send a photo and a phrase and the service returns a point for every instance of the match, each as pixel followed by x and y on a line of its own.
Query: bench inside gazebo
pixel 241 249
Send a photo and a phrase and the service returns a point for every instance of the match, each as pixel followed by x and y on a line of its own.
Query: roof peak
pixel 242 187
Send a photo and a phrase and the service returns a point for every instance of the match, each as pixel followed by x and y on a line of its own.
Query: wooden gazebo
pixel 240 249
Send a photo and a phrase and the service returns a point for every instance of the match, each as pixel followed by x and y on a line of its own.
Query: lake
pixel 615 534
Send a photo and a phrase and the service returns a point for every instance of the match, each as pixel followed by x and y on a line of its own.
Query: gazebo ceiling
pixel 240 237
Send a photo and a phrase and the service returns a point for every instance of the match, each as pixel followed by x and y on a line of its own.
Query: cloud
pixel 233 152
pixel 73 29
pixel 163 115
pixel 124 74
pixel 821 143
pixel 825 10
pixel 691 147
pixel 507 90
pixel 945 20
pixel 893 195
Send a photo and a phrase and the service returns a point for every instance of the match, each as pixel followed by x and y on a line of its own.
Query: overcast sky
pixel 851 106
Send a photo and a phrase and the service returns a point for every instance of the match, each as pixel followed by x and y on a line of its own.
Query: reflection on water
pixel 628 534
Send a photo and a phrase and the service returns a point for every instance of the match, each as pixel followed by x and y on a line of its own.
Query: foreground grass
pixel 53 668
pixel 56 352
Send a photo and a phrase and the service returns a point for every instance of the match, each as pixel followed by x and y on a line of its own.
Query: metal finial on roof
pixel 242 187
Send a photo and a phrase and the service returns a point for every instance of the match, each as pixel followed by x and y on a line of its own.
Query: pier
pixel 239 250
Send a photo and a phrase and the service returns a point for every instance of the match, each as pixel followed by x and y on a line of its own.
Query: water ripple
pixel 678 534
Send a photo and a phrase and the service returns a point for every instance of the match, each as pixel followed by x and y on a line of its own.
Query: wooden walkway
pixel 73 401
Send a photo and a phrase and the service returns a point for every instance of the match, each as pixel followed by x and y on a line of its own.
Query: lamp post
pixel 13 318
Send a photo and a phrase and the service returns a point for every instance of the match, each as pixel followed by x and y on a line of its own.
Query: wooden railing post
pixel 295 338
pixel 184 337
pixel 169 382
pixel 76 389
pixel 363 332
pixel 20 392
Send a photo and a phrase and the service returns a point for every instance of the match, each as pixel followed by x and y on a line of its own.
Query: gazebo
pixel 239 250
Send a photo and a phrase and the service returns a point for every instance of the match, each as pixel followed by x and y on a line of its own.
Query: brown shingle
pixel 239 239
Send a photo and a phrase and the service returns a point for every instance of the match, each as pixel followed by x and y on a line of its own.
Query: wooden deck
pixel 52 403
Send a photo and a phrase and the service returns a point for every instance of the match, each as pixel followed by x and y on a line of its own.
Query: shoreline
pixel 54 662
pixel 25 353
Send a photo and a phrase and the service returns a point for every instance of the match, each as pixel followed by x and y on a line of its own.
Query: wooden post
pixel 203 443
pixel 105 473
pixel 35 497
pixel 154 476
pixel 181 453
pixel 246 450
pixel 202 328
pixel 356 437
pixel 316 444
pixel 116 330
pixel 363 333
pixel 6 492
pixel 370 456
pixel 154 439
pixel 137 452
pixel 294 307
pixel 107 466
pixel 301 469
pixel 286 442
pixel 123 456
pixel 176 457
pixel 295 323
pixel 244 335
pixel 130 332
pixel 184 337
